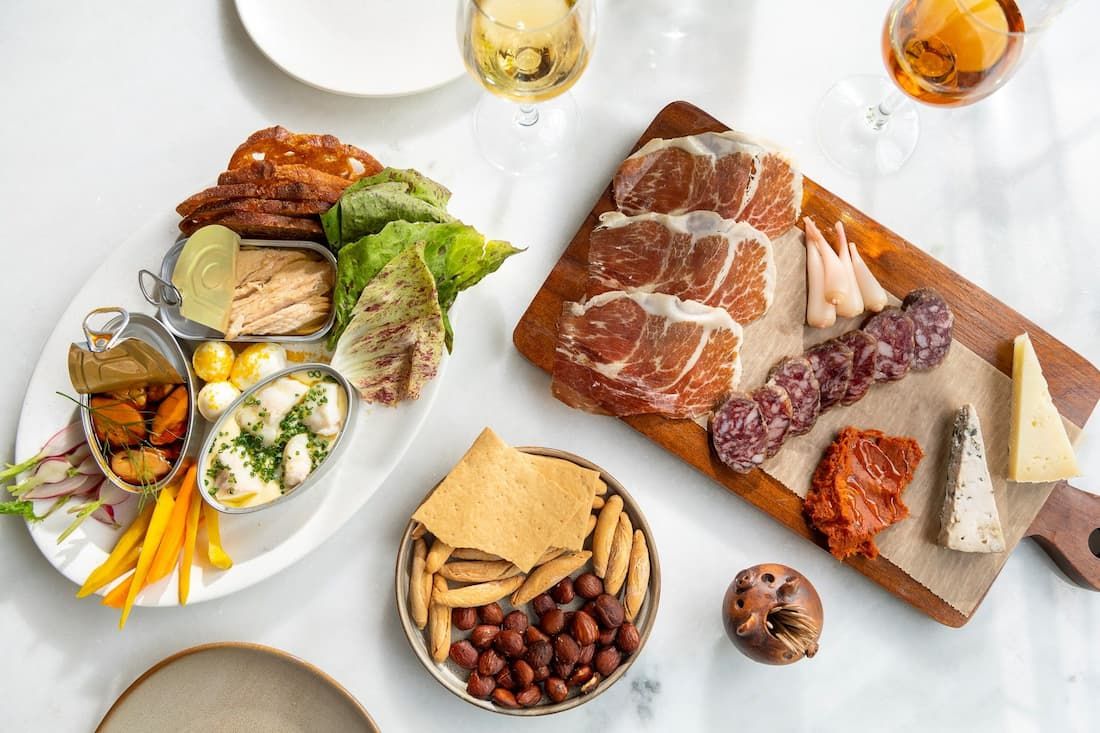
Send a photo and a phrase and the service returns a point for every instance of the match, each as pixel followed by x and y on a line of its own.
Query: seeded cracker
pixel 496 501
pixel 582 484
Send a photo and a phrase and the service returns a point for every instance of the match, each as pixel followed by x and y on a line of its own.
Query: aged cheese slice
pixel 1039 449
pixel 969 522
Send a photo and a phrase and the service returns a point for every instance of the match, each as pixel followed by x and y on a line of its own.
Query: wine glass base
pixel 848 133
pixel 512 143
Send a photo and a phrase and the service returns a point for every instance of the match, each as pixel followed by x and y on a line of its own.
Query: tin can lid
pixel 205 275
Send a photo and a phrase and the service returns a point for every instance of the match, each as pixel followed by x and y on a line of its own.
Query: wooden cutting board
pixel 986 326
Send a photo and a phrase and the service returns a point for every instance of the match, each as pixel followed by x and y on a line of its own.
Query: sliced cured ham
pixel 636 353
pixel 727 172
pixel 698 256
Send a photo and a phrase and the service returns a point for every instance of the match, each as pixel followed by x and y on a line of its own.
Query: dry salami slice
pixel 864 347
pixel 738 433
pixel 775 411
pixel 795 375
pixel 894 331
pixel 932 322
pixel 832 364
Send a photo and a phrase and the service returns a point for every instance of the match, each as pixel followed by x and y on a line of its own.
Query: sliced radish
pixel 106 515
pixel 111 494
pixel 60 443
pixel 74 485
pixel 79 455
pixel 89 467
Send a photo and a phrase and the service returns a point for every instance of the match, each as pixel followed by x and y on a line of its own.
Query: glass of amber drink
pixel 944 53
pixel 527 54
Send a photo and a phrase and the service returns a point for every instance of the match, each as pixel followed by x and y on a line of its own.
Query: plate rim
pixel 336 90
pixel 652 601
pixel 279 654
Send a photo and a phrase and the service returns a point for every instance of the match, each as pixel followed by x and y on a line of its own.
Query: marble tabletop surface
pixel 113 112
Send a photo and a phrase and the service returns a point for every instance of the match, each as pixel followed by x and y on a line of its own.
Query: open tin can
pixel 336 449
pixel 159 291
pixel 121 326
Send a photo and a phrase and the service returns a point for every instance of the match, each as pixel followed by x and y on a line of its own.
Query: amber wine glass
pixel 944 53
pixel 527 54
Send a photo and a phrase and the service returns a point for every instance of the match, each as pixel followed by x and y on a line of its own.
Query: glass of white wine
pixel 527 54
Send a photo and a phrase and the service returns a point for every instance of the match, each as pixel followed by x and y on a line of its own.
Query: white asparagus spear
pixel 836 284
pixel 819 313
pixel 852 304
pixel 874 296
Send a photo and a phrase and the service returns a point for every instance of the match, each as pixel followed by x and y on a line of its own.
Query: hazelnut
pixel 534 634
pixel 609 611
pixel 516 621
pixel 590 608
pixel 528 696
pixel 588 586
pixel 585 630
pixel 580 675
pixel 608 636
pixel 489 663
pixel 463 654
pixel 464 618
pixel 541 673
pixel 607 660
pixel 510 643
pixel 553 621
pixel 523 673
pixel 479 686
pixel 563 670
pixel 556 689
pixel 504 698
pixel 563 592
pixel 629 639
pixel 566 650
pixel 772 614
pixel 539 653
pixel 506 679
pixel 587 652
pixel 592 683
pixel 542 603
pixel 491 613
pixel 482 636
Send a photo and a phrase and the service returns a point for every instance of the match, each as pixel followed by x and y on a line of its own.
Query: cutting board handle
pixel 1068 529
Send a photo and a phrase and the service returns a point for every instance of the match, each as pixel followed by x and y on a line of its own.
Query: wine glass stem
pixel 878 116
pixel 527 115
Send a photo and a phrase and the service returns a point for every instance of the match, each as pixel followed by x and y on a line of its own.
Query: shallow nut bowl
pixel 338 446
pixel 453 677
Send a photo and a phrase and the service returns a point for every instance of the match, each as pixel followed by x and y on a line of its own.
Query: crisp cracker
pixel 495 500
pixel 581 483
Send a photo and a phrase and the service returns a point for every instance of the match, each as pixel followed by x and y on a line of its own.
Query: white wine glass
pixel 527 54
pixel 944 53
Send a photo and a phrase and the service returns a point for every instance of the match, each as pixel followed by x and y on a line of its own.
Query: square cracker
pixel 495 500
pixel 582 484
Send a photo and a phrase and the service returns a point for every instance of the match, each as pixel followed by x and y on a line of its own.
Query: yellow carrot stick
pixel 214 552
pixel 116 571
pixel 169 551
pixel 117 597
pixel 161 513
pixel 189 535
pixel 127 543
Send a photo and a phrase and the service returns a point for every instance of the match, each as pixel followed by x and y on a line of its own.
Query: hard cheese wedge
pixel 970 522
pixel 1039 449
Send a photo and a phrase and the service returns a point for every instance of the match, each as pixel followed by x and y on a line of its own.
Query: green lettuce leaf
pixel 394 340
pixel 370 203
pixel 457 255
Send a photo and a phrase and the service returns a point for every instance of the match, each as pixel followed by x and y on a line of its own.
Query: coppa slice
pixel 733 174
pixel 856 489
pixel 796 376
pixel 698 256
pixel 832 364
pixel 636 353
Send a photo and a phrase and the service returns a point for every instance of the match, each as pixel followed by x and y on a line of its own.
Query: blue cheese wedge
pixel 969 522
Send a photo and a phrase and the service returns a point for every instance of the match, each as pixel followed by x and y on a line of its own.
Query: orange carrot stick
pixel 117 597
pixel 161 513
pixel 169 550
pixel 189 534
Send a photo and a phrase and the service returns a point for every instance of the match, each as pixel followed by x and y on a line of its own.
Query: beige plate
pixel 454 677
pixel 235 686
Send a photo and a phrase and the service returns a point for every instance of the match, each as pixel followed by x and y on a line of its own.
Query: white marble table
pixel 113 112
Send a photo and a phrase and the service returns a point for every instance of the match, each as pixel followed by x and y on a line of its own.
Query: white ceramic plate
pixel 362 48
pixel 261 544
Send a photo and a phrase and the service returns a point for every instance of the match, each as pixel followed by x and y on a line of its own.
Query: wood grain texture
pixel 1063 529
pixel 982 323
